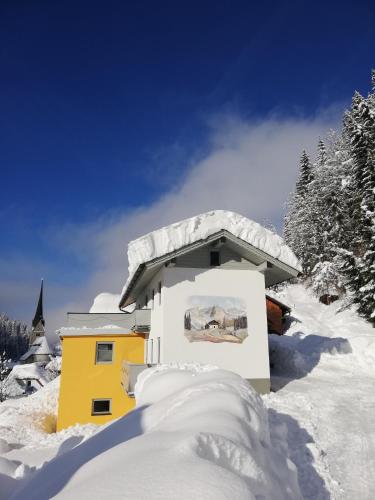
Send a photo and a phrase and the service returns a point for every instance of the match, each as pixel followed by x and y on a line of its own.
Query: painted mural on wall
pixel 215 319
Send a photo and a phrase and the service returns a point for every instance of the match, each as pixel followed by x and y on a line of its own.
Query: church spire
pixel 38 321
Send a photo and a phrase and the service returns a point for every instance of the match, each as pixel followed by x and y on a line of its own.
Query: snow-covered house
pixel 210 269
pixel 30 377
pixel 212 324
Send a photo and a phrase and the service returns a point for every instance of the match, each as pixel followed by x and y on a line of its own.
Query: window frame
pixel 95 414
pixel 101 342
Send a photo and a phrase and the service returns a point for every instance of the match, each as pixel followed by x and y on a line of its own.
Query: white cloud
pixel 250 169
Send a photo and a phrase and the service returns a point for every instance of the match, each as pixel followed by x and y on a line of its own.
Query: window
pixel 214 258
pixel 104 352
pixel 101 407
pixel 159 290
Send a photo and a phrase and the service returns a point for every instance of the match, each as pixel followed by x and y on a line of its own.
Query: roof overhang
pixel 275 271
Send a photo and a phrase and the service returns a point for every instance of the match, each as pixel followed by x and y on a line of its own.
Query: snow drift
pixel 197 432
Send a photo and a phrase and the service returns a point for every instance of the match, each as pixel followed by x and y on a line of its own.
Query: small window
pixel 214 259
pixel 104 352
pixel 159 291
pixel 101 407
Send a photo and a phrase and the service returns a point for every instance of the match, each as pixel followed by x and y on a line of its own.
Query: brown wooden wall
pixel 274 318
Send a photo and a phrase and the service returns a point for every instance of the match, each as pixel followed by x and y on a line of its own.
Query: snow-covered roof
pixel 180 234
pixel 40 346
pixel 29 371
pixel 106 303
pixel 73 331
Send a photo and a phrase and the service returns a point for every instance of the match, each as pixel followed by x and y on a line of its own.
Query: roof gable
pixel 275 270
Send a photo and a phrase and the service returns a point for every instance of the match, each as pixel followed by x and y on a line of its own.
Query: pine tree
pixel 330 222
pixel 359 269
pixel 297 223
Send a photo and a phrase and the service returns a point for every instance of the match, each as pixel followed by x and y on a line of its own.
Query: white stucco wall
pixel 249 359
pixel 157 315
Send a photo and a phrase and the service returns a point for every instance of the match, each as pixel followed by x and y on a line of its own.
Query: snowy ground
pixel 324 377
pixel 200 433
pixel 197 432
pixel 27 437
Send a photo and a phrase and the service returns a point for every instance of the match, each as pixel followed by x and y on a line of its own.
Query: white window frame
pixel 101 412
pixel 97 362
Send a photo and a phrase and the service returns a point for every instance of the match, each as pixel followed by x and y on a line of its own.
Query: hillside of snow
pixel 323 376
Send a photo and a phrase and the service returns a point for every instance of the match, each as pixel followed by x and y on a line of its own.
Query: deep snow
pixel 324 377
pixel 197 432
pixel 207 433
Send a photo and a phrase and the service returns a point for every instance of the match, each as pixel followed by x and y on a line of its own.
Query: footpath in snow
pixel 324 377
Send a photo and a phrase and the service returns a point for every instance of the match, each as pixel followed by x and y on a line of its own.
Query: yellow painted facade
pixel 82 380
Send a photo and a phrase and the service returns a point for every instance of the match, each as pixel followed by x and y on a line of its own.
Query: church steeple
pixel 38 321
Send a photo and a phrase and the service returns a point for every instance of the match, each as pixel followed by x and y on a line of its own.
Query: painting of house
pixel 195 293
pixel 216 319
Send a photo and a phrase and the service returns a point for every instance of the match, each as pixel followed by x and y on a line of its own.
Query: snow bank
pixel 180 234
pixel 317 329
pixel 27 437
pixel 197 432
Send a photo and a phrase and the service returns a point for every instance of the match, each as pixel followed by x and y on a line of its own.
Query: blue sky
pixel 109 109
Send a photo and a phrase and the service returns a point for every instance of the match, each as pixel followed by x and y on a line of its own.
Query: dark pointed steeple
pixel 38 321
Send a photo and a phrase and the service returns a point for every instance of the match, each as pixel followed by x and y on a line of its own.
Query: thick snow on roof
pixel 180 234
pixel 197 432
pixel 27 371
pixel 72 331
pixel 106 303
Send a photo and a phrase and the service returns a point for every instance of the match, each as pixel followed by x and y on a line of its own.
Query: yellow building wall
pixel 82 380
